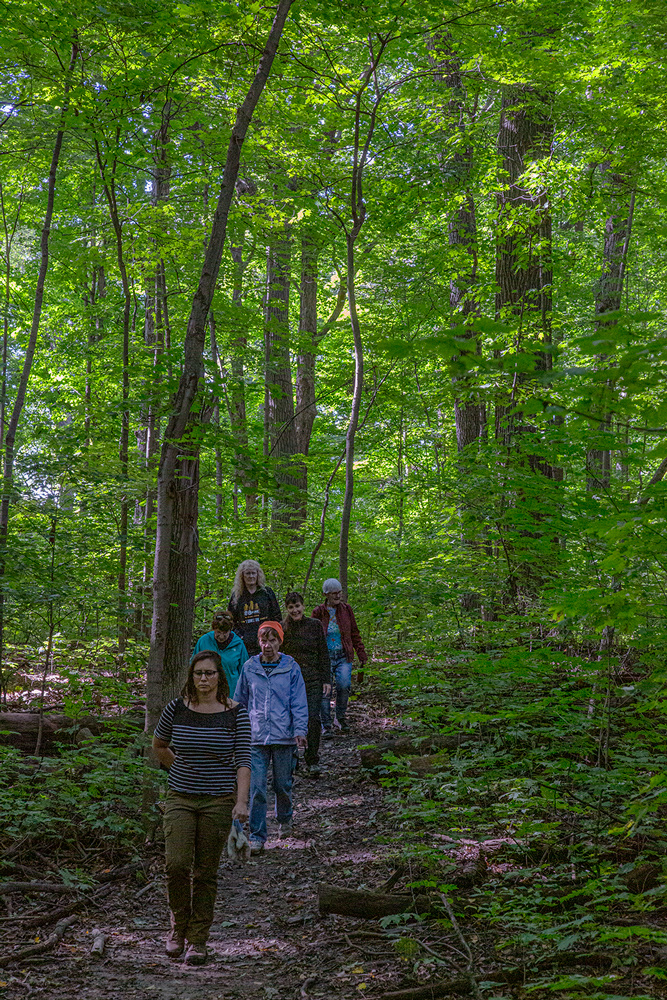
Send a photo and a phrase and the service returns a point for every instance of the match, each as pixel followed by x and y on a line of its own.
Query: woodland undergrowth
pixel 560 792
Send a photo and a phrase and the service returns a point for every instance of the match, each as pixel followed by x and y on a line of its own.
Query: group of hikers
pixel 259 685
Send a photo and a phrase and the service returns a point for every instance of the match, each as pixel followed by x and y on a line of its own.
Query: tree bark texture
pixel 182 571
pixel 469 413
pixel 523 261
pixel 192 371
pixel 244 481
pixel 306 409
pixel 279 390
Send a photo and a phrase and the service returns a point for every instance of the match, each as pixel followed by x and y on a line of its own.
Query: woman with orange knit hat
pixel 272 689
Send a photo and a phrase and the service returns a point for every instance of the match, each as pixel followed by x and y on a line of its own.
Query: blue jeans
pixel 282 757
pixel 341 676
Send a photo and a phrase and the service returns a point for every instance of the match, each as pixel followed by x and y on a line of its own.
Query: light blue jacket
pixel 233 656
pixel 276 702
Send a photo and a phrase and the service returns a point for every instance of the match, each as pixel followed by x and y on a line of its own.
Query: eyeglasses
pixel 204 673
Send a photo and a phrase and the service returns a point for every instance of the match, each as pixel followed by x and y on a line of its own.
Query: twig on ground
pixel 431 951
pixel 307 983
pixel 146 888
pixel 48 916
pixel 471 961
pixel 38 949
pixel 433 991
pixel 368 951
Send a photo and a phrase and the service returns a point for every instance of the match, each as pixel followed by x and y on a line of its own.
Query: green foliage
pixel 90 795
pixel 567 766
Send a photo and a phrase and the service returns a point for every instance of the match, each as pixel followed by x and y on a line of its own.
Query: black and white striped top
pixel 208 748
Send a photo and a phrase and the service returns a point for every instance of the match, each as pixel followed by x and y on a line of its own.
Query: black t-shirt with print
pixel 250 611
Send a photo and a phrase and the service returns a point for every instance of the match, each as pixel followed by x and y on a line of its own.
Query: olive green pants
pixel 196 828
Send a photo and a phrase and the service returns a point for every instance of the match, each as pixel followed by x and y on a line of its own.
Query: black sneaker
pixel 314 771
pixel 328 733
pixel 344 727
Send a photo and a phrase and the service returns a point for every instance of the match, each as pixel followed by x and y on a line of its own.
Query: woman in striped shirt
pixel 203 739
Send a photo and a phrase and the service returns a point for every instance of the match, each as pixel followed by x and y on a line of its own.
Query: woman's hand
pixel 301 742
pixel 240 812
pixel 326 690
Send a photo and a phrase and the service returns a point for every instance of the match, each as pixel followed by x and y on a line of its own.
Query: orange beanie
pixel 276 626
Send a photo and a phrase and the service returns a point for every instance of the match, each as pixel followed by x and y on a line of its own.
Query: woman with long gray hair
pixel 251 603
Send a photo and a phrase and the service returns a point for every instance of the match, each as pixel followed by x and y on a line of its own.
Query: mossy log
pixel 20 729
pixel 368 905
pixel 407 746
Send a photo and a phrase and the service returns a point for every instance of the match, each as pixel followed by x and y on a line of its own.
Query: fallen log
pixel 38 949
pixel 28 887
pixel 20 729
pixel 407 746
pixel 368 905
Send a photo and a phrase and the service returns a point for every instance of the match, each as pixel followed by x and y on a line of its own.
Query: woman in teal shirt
pixel 222 640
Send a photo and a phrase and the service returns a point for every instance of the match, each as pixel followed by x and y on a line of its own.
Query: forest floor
pixel 268 940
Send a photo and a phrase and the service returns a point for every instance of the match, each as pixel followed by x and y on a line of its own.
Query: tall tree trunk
pixel 244 480
pixel 306 409
pixel 17 408
pixel 279 391
pixel 190 380
pixel 469 413
pixel 97 294
pixel 360 149
pixel 523 261
pixel 109 186
pixel 608 294
pixel 156 334
pixel 523 280
pixel 357 392
pixel 182 567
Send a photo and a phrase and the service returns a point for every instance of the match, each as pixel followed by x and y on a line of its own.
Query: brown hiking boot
pixel 196 954
pixel 175 944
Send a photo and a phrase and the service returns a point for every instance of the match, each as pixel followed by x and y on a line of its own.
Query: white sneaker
pixel 256 846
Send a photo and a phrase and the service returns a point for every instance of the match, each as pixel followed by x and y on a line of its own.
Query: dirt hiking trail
pixel 268 941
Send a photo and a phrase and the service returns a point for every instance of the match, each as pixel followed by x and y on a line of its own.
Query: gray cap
pixel 331 585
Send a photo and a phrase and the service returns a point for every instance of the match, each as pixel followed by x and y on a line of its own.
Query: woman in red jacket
pixel 343 639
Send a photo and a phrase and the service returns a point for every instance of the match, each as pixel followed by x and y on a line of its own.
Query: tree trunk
pixel 343 546
pixel 191 374
pixel 182 571
pixel 109 186
pixel 469 413
pixel 608 293
pixel 279 392
pixel 17 409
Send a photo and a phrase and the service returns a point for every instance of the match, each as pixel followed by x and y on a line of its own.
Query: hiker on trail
pixel 251 603
pixel 272 688
pixel 304 641
pixel 342 635
pixel 222 640
pixel 203 739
